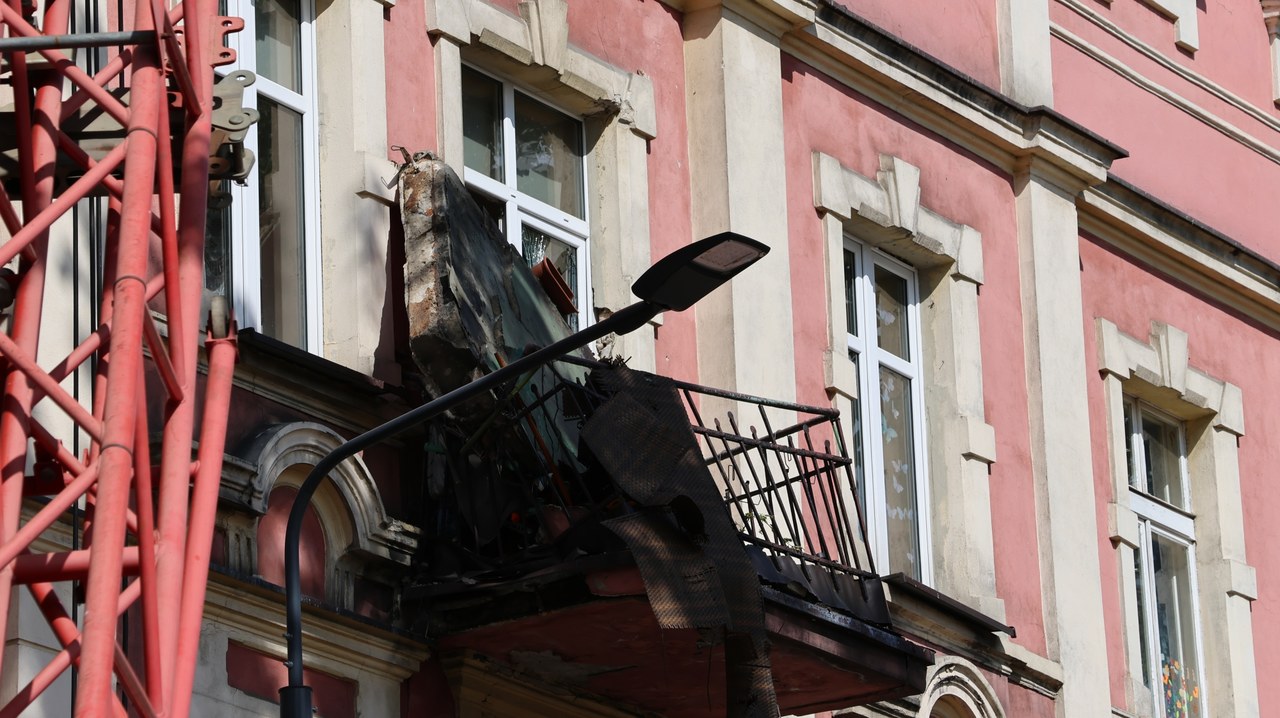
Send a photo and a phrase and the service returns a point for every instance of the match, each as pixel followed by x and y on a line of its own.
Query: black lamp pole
pixel 675 283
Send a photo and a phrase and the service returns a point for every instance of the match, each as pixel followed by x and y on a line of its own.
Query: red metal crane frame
pixel 148 530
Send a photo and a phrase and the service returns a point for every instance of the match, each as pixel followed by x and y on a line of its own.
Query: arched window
pixel 957 689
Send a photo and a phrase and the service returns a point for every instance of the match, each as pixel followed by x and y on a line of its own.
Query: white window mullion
pixel 509 151
pixel 245 266
pixel 874 456
pixel 514 226
pixel 918 428
pixel 297 101
pixel 869 393
pixel 312 246
pixel 1151 640
pixel 1198 639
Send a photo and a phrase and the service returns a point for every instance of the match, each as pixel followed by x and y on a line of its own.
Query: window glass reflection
pixel 280 209
pixel 278 37
pixel 549 155
pixel 899 473
pixel 891 313
pixel 482 124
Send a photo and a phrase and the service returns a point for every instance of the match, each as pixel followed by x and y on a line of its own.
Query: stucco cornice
pixel 784 14
pixel 1170 242
pixel 927 91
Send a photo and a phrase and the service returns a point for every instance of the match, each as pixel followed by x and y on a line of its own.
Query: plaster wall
pixel 820 115
pixel 1225 157
pixel 961 34
pixel 1238 94
pixel 1232 40
pixel 655 47
pixel 1223 344
pixel 411 91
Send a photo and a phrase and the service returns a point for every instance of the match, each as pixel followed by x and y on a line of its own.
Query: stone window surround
pixel 1186 23
pixel 618 111
pixel 885 212
pixel 357 530
pixel 956 688
pixel 1158 372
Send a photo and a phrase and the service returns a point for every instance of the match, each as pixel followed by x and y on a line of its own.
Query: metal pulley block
pixel 231 122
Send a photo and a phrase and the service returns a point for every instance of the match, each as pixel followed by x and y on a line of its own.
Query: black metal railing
pixel 791 491
pixel 513 484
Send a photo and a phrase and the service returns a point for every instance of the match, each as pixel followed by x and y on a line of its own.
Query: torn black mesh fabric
pixel 642 438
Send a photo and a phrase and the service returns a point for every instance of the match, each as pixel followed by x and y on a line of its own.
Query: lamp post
pixel 674 283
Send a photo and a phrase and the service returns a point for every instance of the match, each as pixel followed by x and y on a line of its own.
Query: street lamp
pixel 674 283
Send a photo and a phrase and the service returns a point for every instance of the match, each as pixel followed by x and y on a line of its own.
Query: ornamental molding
pixel 538 38
pixel 1186 27
pixel 1162 362
pixel 891 201
pixel 281 447
pixel 956 686
pixel 339 646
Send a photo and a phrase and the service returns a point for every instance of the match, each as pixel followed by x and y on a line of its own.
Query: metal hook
pixel 400 168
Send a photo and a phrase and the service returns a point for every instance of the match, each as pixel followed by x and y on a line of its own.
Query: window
pixel 524 161
pixel 943 271
pixel 264 250
pixel 1177 527
pixel 883 337
pixel 1164 562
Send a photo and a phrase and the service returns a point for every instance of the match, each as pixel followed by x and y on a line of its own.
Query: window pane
pixel 482 124
pixel 1175 628
pixel 899 473
pixel 1144 632
pixel 538 246
pixel 850 301
pixel 217 253
pixel 891 313
pixel 1162 449
pixel 855 430
pixel 283 290
pixel 278 28
pixel 549 155
pixel 1131 456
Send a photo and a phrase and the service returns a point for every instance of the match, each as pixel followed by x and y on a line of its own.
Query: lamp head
pixel 681 278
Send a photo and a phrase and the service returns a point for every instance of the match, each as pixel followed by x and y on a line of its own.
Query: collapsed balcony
pixel 591 531
pixel 562 527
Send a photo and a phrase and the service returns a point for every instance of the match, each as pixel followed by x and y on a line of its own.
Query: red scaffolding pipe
pixel 148 524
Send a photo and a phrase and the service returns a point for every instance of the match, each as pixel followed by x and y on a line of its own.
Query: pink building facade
pixel 1021 246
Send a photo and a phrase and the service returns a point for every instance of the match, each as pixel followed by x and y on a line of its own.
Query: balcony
pixel 608 534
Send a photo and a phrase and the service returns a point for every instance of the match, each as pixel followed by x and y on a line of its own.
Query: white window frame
pixel 521 209
pixel 870 359
pixel 1175 524
pixel 244 225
